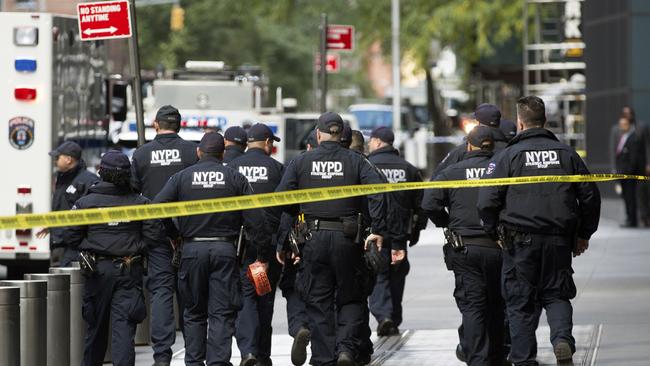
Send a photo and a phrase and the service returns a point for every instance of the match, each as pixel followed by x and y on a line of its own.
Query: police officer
pixel 386 299
pixel 487 115
pixel 473 256
pixel 346 136
pixel 208 277
pixel 358 142
pixel 153 164
pixel 542 224
pixel 72 182
pixel 254 320
pixel 235 137
pixel 509 129
pixel 331 259
pixel 114 290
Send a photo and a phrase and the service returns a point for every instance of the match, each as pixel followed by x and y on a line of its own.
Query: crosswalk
pixel 435 348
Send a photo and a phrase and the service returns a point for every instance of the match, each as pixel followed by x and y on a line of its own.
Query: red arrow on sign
pixel 333 64
pixel 104 20
pixel 340 37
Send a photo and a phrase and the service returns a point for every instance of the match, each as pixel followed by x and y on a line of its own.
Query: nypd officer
pixel 486 115
pixel 332 258
pixel 113 287
pixel 153 163
pixel 541 226
pixel 386 299
pixel 235 138
pixel 72 182
pixel 473 256
pixel 254 320
pixel 209 280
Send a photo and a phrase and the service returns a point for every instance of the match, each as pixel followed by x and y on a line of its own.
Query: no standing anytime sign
pixel 104 20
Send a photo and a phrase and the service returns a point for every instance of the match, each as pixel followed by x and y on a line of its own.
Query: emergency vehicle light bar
pixel 26 36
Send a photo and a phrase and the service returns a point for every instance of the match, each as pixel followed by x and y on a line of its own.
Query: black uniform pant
pixel 477 271
pixel 387 295
pixel 253 326
pixel 296 307
pixel 161 283
pixel 537 275
pixel 330 280
pixel 112 293
pixel 210 287
pixel 628 190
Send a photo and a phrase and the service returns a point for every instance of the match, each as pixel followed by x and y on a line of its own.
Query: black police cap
pixel 346 135
pixel 383 133
pixel 68 148
pixel 488 114
pixel 480 135
pixel 261 132
pixel 115 160
pixel 236 134
pixel 330 122
pixel 312 140
pixel 168 113
pixel 212 142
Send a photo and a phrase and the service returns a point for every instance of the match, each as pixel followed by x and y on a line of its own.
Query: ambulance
pixel 54 89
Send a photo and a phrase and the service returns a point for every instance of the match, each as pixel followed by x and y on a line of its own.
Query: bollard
pixel 33 321
pixel 10 326
pixel 77 324
pixel 58 316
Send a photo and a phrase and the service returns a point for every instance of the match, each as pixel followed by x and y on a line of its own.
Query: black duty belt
pixel 131 258
pixel 318 224
pixel 228 239
pixel 480 241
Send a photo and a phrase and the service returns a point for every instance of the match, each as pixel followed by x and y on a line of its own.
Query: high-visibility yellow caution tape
pixel 186 208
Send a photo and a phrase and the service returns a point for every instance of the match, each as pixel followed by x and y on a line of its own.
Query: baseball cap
pixel 116 160
pixel 69 148
pixel 261 132
pixel 509 128
pixel 236 134
pixel 488 114
pixel 212 142
pixel 330 122
pixel 383 133
pixel 479 135
pixel 170 114
pixel 346 135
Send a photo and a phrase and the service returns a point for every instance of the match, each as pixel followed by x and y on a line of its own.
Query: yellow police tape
pixel 186 208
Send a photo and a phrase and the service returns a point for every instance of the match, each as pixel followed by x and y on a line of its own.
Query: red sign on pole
pixel 104 20
pixel 340 37
pixel 333 65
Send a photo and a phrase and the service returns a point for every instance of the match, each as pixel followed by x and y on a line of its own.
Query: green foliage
pixel 282 35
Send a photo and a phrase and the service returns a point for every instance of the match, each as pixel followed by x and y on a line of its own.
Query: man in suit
pixel 628 157
pixel 642 131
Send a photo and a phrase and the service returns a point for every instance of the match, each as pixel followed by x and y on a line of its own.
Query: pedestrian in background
pixel 642 131
pixel 628 157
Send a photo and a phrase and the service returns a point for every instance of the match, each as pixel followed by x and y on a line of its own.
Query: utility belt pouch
pixel 353 227
pixel 87 263
pixel 454 240
pixel 178 251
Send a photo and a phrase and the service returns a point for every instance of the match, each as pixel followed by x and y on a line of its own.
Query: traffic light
pixel 177 20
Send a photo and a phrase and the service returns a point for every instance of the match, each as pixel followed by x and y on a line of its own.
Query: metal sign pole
pixel 134 56
pixel 397 97
pixel 323 63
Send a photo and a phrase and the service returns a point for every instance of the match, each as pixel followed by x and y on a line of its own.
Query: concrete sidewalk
pixel 612 308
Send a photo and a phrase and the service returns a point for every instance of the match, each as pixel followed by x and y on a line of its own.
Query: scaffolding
pixel 554 66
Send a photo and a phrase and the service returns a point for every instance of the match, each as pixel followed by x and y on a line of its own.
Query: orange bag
pixel 257 275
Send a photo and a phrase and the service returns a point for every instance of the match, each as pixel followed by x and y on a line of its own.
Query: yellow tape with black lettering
pixel 186 208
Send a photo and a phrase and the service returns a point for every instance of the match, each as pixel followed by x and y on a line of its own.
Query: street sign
pixel 340 37
pixel 104 20
pixel 333 63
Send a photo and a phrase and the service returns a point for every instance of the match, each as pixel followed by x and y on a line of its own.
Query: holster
pixel 353 228
pixel 241 246
pixel 87 263
pixel 178 252
pixel 454 240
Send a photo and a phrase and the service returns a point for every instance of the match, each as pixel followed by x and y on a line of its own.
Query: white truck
pixel 54 90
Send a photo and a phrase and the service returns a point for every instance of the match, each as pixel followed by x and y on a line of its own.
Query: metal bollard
pixel 10 326
pixel 58 316
pixel 77 324
pixel 33 321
